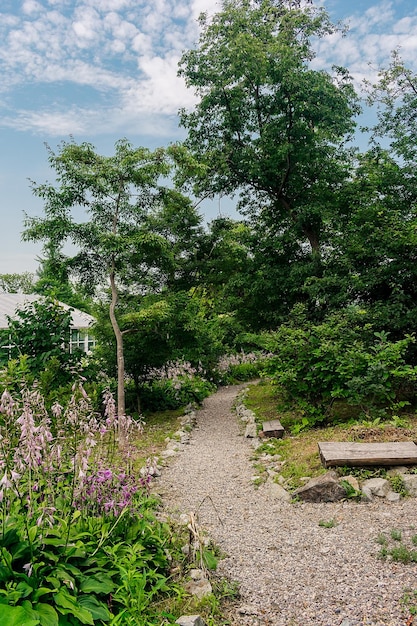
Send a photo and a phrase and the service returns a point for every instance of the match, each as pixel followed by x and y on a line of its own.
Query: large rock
pixel 278 492
pixel 325 488
pixel 379 487
pixel 190 620
pixel 251 431
pixel 410 483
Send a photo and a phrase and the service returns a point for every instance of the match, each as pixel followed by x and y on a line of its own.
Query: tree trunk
pixel 121 410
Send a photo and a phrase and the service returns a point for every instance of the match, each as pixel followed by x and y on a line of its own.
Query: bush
pixel 340 359
pixel 172 387
pixel 239 367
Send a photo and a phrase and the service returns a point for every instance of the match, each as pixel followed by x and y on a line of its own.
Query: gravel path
pixel 291 571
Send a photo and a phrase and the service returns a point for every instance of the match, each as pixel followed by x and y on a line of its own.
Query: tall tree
pixel 268 125
pixel 17 283
pixel 104 207
pixel 395 94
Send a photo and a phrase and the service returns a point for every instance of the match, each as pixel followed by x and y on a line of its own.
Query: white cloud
pixel 127 52
pixel 31 7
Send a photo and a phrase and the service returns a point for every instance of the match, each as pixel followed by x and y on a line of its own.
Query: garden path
pixel 292 571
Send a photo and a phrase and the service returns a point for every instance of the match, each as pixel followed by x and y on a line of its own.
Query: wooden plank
pixel 273 428
pixel 358 454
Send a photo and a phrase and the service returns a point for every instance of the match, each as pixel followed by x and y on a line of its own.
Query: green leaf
pixel 97 609
pixel 97 585
pixel 24 589
pixel 41 591
pixel 47 614
pixel 18 615
pixel 68 604
pixel 210 560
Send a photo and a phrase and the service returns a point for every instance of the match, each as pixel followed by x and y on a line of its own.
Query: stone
pixel 190 620
pixel 398 470
pixel 199 588
pixel 410 483
pixel 379 487
pixel 248 609
pixel 255 443
pixel 393 496
pixel 174 445
pixel 325 488
pixel 167 453
pixel 247 416
pixel 251 431
pixel 197 574
pixel 278 492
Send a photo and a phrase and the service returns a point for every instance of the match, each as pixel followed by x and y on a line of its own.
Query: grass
pixel 152 441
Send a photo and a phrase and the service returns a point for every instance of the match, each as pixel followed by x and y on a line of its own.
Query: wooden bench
pixel 273 428
pixel 358 454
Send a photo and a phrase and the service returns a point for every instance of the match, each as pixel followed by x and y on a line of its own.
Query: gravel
pixel 291 571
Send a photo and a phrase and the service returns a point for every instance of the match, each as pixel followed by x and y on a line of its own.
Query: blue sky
pixel 100 70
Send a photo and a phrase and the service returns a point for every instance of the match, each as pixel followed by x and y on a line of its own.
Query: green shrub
pixel 340 359
pixel 80 542
pixel 169 394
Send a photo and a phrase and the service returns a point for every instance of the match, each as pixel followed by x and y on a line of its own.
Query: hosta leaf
pixel 18 615
pixel 68 604
pixel 97 609
pixel 96 585
pixel 41 591
pixel 47 614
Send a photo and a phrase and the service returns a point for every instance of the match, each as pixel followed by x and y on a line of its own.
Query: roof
pixel 9 302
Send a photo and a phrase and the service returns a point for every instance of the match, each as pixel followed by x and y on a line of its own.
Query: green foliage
pixel 80 543
pixel 398 485
pixel 351 492
pixel 331 523
pixel 39 329
pixel 163 394
pixel 17 283
pixel 341 358
pixel 239 367
pixel 267 124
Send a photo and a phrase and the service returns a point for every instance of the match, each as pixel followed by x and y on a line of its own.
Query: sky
pixel 100 70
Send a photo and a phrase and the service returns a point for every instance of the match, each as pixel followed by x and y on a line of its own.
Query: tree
pixel 114 199
pixel 17 283
pixel 396 96
pixel 268 125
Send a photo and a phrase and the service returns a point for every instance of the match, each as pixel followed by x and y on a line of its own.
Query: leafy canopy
pixel 268 124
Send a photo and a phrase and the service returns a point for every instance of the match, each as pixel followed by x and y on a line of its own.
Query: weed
pixel 383 553
pixel 398 485
pixel 396 535
pixel 409 600
pixel 362 473
pixel 331 523
pixel 403 554
pixel 350 490
pixel 398 551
